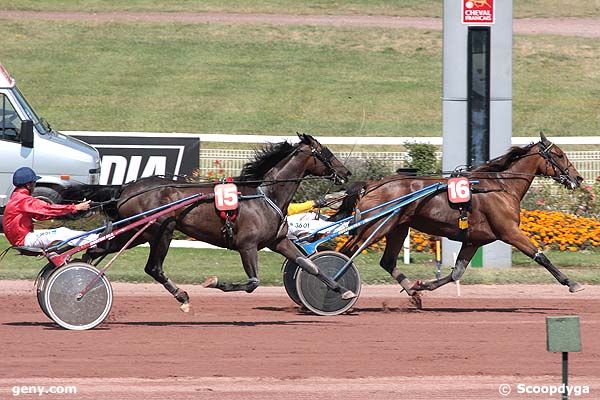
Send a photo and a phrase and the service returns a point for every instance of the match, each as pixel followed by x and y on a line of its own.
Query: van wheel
pixel 51 196
pixel 47 194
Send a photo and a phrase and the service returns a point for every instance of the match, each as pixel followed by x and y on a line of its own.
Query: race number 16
pixel 226 197
pixel 459 190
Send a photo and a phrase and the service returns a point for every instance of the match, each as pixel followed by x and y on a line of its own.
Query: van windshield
pixel 42 128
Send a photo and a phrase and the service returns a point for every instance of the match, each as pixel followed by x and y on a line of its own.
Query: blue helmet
pixel 24 175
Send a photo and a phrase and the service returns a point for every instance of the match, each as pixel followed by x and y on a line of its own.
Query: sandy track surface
pixel 585 27
pixel 262 346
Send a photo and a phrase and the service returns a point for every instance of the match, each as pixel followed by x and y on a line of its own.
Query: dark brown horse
pixel 267 186
pixel 494 215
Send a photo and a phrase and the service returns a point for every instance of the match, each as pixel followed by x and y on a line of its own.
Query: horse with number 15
pixel 266 186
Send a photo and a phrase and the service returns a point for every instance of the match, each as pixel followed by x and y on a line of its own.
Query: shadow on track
pixel 407 310
pixel 108 325
pixel 516 310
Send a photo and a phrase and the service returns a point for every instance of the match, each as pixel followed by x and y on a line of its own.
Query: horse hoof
pixel 417 301
pixel 211 282
pixel 575 287
pixel 349 294
pixel 185 307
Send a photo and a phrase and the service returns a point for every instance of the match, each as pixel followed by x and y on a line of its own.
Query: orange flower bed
pixel 546 229
pixel 419 241
pixel 560 231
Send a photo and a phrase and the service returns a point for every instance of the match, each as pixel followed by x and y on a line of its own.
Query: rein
pixel 211 184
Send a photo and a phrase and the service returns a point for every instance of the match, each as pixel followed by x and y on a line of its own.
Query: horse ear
pixel 543 137
pixel 304 138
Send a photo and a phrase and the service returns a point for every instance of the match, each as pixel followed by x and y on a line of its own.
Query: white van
pixel 28 141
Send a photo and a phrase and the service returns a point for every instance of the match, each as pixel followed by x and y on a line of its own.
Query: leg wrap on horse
pixel 310 267
pixel 171 287
pixel 181 296
pixel 307 265
pixel 541 259
pixel 458 270
pixel 252 285
pixel 403 281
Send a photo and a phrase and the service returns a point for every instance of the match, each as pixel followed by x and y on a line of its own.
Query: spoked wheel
pixel 316 296
pixel 41 282
pixel 290 270
pixel 63 300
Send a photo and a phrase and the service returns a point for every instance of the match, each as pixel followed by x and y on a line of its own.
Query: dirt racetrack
pixel 261 346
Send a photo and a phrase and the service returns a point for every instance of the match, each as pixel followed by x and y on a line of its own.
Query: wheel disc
pixel 61 297
pixel 316 296
pixel 290 271
pixel 41 282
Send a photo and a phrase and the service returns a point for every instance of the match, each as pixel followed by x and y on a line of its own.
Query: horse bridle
pixel 546 154
pixel 325 156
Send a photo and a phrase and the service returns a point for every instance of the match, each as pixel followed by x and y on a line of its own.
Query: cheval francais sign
pixel 478 12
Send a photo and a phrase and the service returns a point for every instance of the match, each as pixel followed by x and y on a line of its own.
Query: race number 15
pixel 459 190
pixel 226 197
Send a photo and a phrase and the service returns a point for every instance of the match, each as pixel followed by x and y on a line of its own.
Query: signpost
pixel 563 335
pixel 477 98
pixel 478 12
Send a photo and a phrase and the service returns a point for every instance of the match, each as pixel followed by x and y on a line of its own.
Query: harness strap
pixel 282 217
pixel 271 203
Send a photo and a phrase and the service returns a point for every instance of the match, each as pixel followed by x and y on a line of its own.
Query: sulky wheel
pixel 316 296
pixel 64 302
pixel 290 269
pixel 40 284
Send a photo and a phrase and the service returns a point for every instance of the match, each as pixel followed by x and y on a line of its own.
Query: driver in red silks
pixel 21 208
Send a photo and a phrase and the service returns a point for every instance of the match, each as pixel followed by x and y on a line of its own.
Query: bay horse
pixel 266 185
pixel 494 215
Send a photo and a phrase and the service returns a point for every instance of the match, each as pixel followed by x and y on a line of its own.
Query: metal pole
pixel 565 374
pixel 438 258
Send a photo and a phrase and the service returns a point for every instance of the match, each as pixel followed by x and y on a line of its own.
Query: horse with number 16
pixel 494 210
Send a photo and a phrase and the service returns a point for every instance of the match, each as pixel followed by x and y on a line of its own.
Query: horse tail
pixel 96 193
pixel 350 199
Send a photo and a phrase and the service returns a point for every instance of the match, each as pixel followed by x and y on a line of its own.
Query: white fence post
pixel 406 247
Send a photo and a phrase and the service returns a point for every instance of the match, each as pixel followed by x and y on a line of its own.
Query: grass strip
pixel 212 78
pixel 404 8
pixel 192 266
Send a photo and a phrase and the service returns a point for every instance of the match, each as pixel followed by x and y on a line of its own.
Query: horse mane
pixel 264 160
pixel 501 163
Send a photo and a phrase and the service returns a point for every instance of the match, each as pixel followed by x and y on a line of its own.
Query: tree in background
pixel 422 158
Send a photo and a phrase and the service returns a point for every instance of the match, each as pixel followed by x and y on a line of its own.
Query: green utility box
pixel 477 260
pixel 563 334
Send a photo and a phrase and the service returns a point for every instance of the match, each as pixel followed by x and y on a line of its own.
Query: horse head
pixel 323 161
pixel 557 166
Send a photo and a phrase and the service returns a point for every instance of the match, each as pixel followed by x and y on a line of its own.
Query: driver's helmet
pixel 24 175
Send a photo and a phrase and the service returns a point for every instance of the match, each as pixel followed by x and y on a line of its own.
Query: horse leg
pixel 154 266
pixel 394 241
pixel 522 242
pixel 466 253
pixel 287 249
pixel 250 262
